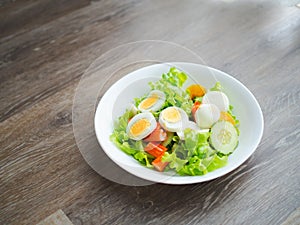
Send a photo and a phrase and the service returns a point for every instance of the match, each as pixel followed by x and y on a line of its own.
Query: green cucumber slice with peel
pixel 169 139
pixel 224 137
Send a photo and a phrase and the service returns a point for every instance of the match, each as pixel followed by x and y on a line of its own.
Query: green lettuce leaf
pixel 120 138
pixel 237 122
pixel 123 145
pixel 217 87
pixel 175 77
pixel 217 162
pixel 197 166
pixel 121 123
pixel 144 158
pixel 170 84
pixel 194 141
pixel 194 156
pixel 174 161
pixel 194 167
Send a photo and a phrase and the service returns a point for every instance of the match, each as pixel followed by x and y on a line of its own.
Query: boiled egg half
pixel 191 125
pixel 141 125
pixel 206 115
pixel 217 98
pixel 173 119
pixel 154 101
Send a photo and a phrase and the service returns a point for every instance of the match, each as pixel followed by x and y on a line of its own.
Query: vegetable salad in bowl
pixel 191 131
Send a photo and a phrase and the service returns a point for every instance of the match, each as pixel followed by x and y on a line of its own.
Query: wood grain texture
pixel 17 16
pixel 57 218
pixel 294 218
pixel 41 169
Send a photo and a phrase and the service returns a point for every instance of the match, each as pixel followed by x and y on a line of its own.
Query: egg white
pixel 176 126
pixel 157 105
pixel 217 98
pixel 192 125
pixel 145 115
pixel 133 109
pixel 206 115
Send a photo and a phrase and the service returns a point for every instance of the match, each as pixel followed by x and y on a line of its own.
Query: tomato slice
pixel 195 107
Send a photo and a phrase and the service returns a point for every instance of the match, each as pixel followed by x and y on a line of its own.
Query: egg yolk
pixel 139 127
pixel 171 115
pixel 148 102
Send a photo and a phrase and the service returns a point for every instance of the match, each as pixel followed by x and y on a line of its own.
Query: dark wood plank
pixel 76 39
pixel 41 169
pixel 19 16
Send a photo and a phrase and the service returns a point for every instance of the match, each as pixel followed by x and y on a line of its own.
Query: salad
pixel 191 131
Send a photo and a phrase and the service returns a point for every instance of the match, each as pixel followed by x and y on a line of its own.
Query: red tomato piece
pixel 195 107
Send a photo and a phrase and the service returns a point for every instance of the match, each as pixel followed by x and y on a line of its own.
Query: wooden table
pixel 45 47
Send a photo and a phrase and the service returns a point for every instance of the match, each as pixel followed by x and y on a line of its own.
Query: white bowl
pixel 121 94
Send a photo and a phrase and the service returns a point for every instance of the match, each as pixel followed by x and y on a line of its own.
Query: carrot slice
pixel 196 90
pixel 159 165
pixel 227 117
pixel 155 149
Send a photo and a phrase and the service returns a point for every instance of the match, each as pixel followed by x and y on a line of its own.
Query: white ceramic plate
pixel 121 94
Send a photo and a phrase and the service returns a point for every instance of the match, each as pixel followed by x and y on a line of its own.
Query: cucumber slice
pixel 169 139
pixel 224 137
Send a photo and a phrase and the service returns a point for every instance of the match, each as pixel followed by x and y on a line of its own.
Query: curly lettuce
pixel 194 156
pixel 171 84
pixel 131 147
pixel 217 87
